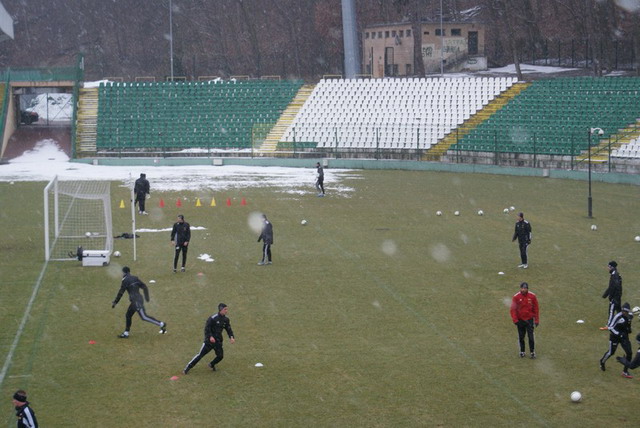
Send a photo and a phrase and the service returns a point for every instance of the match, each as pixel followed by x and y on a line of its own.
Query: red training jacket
pixel 524 307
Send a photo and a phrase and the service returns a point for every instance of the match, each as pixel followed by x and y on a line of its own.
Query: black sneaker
pixel 521 354
pixel 212 367
pixel 163 328
pixel 533 355
pixel 124 335
pixel 186 371
pixel 174 270
pixel 602 367
pixel 182 269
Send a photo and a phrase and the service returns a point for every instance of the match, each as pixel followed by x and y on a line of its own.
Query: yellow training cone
pixel 213 202
pixel 198 204
pixel 121 203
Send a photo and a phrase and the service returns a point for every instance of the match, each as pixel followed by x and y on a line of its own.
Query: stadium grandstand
pixel 481 120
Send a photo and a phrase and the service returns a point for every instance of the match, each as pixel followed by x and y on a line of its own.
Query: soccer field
pixel 376 313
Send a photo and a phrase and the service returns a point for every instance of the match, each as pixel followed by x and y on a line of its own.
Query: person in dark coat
pixel 141 190
pixel 180 238
pixel 613 292
pixel 267 240
pixel 319 179
pixel 522 233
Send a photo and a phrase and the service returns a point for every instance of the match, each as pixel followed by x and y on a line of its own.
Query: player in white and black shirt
pixel 25 414
pixel 213 338
pixel 619 330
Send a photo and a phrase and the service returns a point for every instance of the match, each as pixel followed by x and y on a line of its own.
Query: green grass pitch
pixel 376 313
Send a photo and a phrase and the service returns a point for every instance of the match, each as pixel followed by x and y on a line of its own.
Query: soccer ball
pixel 480 212
pixel 594 227
pixel 506 210
pixel 637 238
pixel 303 222
pixel 116 254
pixel 512 208
pixel 456 213
pixel 636 309
pixel 576 396
pixel 438 213
pixel 88 234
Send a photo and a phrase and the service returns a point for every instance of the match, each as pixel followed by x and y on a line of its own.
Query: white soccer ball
pixel 438 213
pixel 116 254
pixel 303 222
pixel 480 212
pixel 506 210
pixel 636 309
pixel 88 234
pixel 512 208
pixel 456 213
pixel 594 227
pixel 637 238
pixel 576 396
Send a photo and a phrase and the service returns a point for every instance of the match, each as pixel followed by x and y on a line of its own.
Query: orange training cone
pixel 178 203
pixel 228 202
pixel 161 203
pixel 121 203
pixel 244 202
pixel 198 204
pixel 213 202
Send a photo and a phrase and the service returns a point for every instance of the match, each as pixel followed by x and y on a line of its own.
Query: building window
pixel 408 33
pixel 366 35
pixel 456 32
pixel 395 69
pixel 379 34
pixel 373 34
pixel 386 34
pixel 401 33
pixel 393 33
pixel 438 33
pixel 408 69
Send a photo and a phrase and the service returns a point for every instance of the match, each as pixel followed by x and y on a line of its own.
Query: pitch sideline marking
pixel 27 311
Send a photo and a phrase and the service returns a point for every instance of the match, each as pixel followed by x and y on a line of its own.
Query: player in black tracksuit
pixel 213 338
pixel 619 330
pixel 141 190
pixel 25 414
pixel 132 285
pixel 523 234
pixel 613 292
pixel 267 240
pixel 319 179
pixel 180 237
pixel 630 364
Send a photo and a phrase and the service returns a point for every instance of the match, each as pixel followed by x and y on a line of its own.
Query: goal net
pixel 76 214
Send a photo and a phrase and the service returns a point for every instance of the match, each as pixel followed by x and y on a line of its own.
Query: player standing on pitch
pixel 132 285
pixel 319 179
pixel 180 237
pixel 24 413
pixel 523 234
pixel 141 189
pixel 213 338
pixel 525 315
pixel 613 292
pixel 267 240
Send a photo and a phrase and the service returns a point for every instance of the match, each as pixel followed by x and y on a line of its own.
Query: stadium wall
pixel 609 177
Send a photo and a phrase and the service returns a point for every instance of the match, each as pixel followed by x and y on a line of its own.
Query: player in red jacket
pixel 525 315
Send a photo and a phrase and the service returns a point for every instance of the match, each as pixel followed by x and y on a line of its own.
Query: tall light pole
pixel 171 36
pixel 590 200
pixel 441 42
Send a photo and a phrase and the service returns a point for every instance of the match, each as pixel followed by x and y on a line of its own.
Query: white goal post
pixel 77 214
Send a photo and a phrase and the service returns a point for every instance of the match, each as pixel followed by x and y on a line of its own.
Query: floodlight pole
pixel 590 199
pixel 441 43
pixel 171 35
